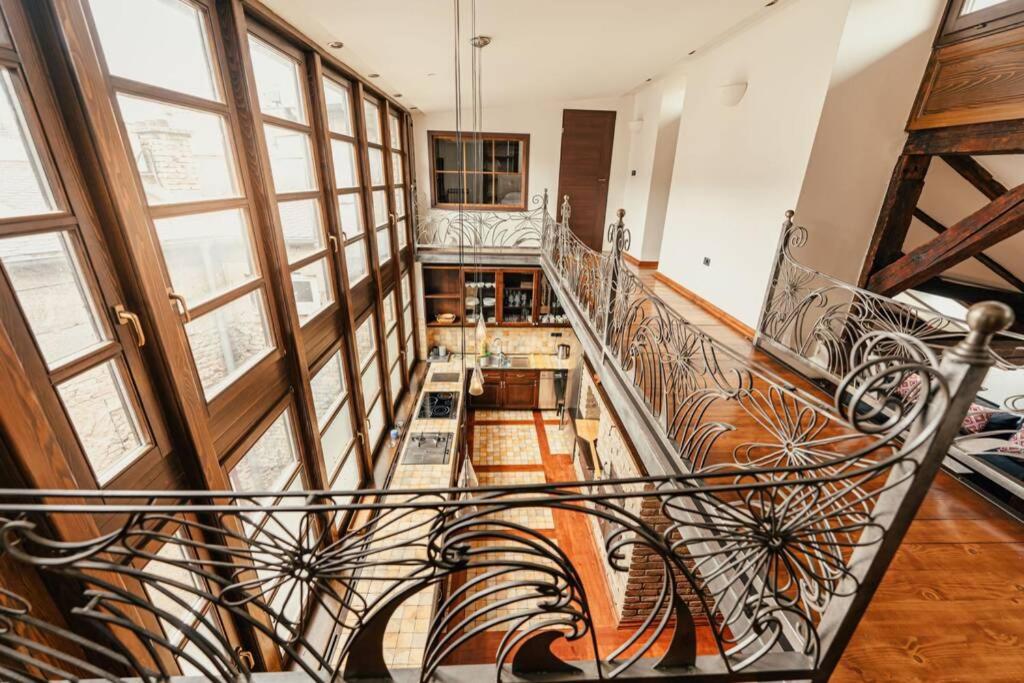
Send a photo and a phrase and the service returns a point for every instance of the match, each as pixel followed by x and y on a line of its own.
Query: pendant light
pixel 476 382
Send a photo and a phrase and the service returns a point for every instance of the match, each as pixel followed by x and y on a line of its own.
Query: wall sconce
pixel 732 94
pixel 635 125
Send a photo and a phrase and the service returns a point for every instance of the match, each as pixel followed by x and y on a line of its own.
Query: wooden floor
pixel 951 607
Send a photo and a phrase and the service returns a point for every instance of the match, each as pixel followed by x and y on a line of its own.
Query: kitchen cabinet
pixel 507 297
pixel 510 389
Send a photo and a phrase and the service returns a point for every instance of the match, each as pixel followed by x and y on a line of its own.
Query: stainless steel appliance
pixel 428 448
pixel 437 405
pixel 546 399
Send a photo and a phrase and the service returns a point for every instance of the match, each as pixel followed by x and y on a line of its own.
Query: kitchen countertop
pixel 538 361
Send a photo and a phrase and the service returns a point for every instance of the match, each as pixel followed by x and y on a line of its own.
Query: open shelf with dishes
pixel 514 297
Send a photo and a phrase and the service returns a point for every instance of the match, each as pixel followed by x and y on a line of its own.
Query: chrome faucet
pixel 502 359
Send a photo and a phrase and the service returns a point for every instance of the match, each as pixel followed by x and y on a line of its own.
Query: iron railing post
pixel 619 236
pixel 769 292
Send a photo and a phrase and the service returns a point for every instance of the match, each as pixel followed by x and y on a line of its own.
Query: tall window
pixel 486 171
pixel 410 350
pixel 288 135
pixel 335 419
pixel 378 177
pixel 347 181
pixel 398 161
pixel 369 375
pixel 176 118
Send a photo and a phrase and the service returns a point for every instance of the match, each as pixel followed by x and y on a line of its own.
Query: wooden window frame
pixel 956 27
pixel 523 173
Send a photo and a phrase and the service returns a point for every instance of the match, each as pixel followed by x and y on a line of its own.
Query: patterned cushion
pixel 977 418
pixel 908 387
pixel 1015 444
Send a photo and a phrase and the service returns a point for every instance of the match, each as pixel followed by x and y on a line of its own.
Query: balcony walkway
pixel 951 607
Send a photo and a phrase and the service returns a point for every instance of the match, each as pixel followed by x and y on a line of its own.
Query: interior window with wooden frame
pixel 337 421
pixel 399 179
pixel 183 134
pixel 371 379
pixel 485 171
pixel 279 72
pixel 967 19
pixel 61 303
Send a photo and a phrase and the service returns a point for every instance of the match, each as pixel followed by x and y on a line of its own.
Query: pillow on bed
pixel 977 418
pixel 1015 444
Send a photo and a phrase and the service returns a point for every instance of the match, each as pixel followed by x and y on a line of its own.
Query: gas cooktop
pixel 438 405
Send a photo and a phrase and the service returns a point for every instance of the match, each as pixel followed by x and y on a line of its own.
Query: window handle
pixel 126 317
pixel 180 303
pixel 334 242
pixel 245 658
pixel 394 221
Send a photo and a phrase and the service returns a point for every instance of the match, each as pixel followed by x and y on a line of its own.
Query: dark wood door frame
pixel 584 169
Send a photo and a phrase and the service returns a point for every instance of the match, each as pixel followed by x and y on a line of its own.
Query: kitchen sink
pixel 519 362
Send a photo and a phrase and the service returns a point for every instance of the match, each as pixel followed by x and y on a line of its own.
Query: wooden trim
pixel 989 225
pixel 995 137
pixel 644 265
pixel 717 312
pixel 956 27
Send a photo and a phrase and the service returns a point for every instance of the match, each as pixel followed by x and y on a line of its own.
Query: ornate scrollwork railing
pixel 770 538
pixel 815 320
pixel 495 230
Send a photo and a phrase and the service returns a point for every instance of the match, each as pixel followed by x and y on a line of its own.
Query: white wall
pixel 543 122
pixel 881 59
pixel 737 169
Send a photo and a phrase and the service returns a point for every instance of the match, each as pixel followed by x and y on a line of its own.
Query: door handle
pixel 180 303
pixel 602 180
pixel 126 317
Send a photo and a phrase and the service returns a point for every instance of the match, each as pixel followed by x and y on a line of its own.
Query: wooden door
pixel 586 158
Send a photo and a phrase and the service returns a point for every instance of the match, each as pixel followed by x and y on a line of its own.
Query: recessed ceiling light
pixel 373 75
pixel 336 44
pixel 431 74
pixel 692 52
pixel 648 80
pixel 398 94
pixel 413 108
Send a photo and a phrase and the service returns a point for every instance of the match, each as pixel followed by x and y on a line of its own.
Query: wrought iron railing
pixel 770 537
pixel 446 229
pixel 813 321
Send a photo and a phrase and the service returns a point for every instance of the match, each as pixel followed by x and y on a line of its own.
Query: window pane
pixel 302 225
pixel 446 155
pixel 403 234
pixel 270 462
pixel 506 155
pixel 371 382
pixel 206 253
pixel 172 565
pixel 380 208
pixel 507 190
pixel 389 311
pixel 339 107
pixel 410 352
pixel 383 245
pixel 328 386
pixel 355 259
pixel 365 344
pixel 103 416
pixel 376 166
pixel 399 194
pixel 291 159
pixel 348 477
pixel 312 289
pixel 396 132
pixel 161 42
pixel 397 175
pixel 392 346
pixel 406 296
pixel 182 154
pixel 448 188
pixel 337 439
pixel 277 82
pixel 25 190
pixel 396 383
pixel 343 155
pixel 407 318
pixel 976 5
pixel 46 276
pixel 228 341
pixel 351 215
pixel 376 422
pixel 371 112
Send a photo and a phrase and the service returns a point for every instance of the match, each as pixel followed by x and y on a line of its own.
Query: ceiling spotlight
pixel 431 74
pixel 692 52
pixel 411 108
pixel 398 94
pixel 648 80
pixel 373 75
pixel 480 41
pixel 336 44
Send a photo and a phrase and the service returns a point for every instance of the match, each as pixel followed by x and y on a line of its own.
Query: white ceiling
pixel 543 50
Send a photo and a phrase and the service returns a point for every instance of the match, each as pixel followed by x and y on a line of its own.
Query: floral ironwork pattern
pixel 441 228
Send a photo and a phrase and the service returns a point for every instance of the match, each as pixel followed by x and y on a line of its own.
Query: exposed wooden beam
pixel 976 175
pixel 999 137
pixel 985 260
pixel 901 197
pixel 970 294
pixel 993 223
